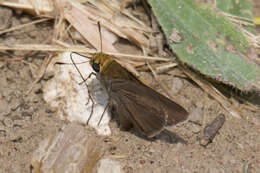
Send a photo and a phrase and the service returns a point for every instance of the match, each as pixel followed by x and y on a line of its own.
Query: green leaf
pixel 209 42
pixel 240 8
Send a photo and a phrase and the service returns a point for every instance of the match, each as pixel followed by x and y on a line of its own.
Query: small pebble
pixel 196 116
pixel 4 107
pixel 50 110
pixel 4 114
pixel 26 114
pixel 15 103
pixel 35 99
pixel 142 162
pixel 109 166
pixel 8 122
pixel 2 128
pixel 48 75
pixel 195 128
pixel 33 34
pixel 37 89
pixel 256 120
pixel 177 85
pixel 19 122
pixel 24 19
pixel 12 136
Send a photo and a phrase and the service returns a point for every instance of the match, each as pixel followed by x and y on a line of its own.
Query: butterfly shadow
pixel 165 136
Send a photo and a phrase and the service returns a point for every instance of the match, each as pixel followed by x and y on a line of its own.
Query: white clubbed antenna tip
pixel 64 93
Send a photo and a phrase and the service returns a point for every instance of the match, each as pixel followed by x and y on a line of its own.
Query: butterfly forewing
pixel 148 110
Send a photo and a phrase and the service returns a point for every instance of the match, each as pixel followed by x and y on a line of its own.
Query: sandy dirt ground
pixel 25 120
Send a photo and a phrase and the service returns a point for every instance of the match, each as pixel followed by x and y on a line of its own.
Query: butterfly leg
pixel 103 114
pixel 89 76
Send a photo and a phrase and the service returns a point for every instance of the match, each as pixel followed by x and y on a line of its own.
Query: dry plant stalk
pixel 22 26
pixel 78 48
pixel 38 7
pixel 239 19
pixel 212 91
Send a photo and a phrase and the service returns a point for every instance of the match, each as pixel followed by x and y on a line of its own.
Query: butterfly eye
pixel 96 67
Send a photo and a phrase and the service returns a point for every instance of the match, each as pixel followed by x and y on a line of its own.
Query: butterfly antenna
pixel 100 36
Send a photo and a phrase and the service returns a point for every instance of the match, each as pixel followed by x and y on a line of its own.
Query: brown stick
pixel 211 130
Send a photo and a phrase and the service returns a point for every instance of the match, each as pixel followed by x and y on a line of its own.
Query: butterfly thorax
pixel 109 69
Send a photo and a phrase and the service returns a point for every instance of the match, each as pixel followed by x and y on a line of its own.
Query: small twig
pixel 80 49
pixel 45 47
pixel 11 59
pixel 61 43
pixel 21 58
pixel 212 129
pixel 241 22
pixel 163 68
pixel 24 6
pixel 237 17
pixel 22 26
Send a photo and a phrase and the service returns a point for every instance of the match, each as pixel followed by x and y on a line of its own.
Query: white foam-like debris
pixel 64 93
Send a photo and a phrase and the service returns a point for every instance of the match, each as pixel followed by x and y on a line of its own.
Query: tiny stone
pixel 151 150
pixel 50 110
pixel 204 142
pixel 25 19
pixel 178 147
pixel 8 122
pixel 142 162
pixel 199 103
pixel 18 122
pixel 35 99
pixel 26 106
pixel 3 114
pixel 2 128
pixel 177 85
pixel 48 75
pixel 15 103
pixel 256 120
pixel 228 158
pixel 109 166
pixel 3 106
pixel 26 114
pixel 195 129
pixel 2 64
pixel 7 95
pixel 196 116
pixel 37 88
pixel 13 136
pixel 33 34
pixel 128 169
